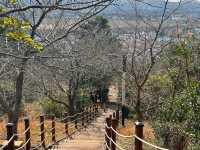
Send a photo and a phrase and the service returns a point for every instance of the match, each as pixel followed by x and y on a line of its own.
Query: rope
pixel 154 146
pixel 60 120
pixel 114 142
pixel 24 144
pixel 71 116
pixel 107 146
pixel 41 123
pixel 52 129
pixel 121 135
pixel 43 132
pixel 38 145
pixel 134 136
pixel 1 148
pixel 23 133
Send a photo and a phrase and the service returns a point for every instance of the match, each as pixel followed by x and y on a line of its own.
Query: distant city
pixel 125 8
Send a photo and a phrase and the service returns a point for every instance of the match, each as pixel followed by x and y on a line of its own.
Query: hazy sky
pixel 179 0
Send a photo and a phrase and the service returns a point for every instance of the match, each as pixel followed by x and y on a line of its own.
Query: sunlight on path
pixel 113 93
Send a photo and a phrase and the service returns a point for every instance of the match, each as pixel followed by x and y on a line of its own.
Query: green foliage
pixel 99 23
pixel 184 106
pixel 7 86
pixel 179 114
pixel 159 80
pixel 17 30
pixel 170 134
pixel 103 22
pixel 183 49
pixel 52 108
pixel 13 1
pixel 83 98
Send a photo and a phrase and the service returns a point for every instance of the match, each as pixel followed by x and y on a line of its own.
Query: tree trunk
pixel 18 99
pixel 72 96
pixel 71 104
pixel 138 105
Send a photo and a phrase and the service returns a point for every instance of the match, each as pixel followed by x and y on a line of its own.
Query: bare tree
pixel 42 15
pixel 143 47
pixel 89 52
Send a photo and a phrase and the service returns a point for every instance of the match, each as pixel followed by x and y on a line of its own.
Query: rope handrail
pixel 75 120
pixel 50 130
pixel 39 145
pixel 71 125
pixel 134 136
pixel 23 133
pixel 121 135
pixel 76 117
pixel 40 124
pixel 69 122
pixel 43 131
pixel 72 116
pixel 114 142
pixel 12 138
pixel 106 145
pixel 154 146
pixel 14 135
pixel 24 144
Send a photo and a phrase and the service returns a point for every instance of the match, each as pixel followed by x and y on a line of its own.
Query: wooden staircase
pixel 91 138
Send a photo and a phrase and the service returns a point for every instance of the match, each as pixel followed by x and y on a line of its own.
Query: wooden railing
pixel 77 121
pixel 111 135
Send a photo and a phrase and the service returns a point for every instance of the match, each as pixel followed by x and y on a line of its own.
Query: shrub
pixel 52 108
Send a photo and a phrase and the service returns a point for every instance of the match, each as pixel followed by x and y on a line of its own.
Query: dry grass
pixel 129 129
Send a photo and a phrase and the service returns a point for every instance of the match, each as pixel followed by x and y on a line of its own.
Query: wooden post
pixel 76 121
pixel 139 133
pixel 53 130
pixel 66 124
pixel 114 115
pixel 87 117
pixel 27 133
pixel 97 109
pixel 123 115
pixel 42 131
pixel 90 113
pixel 83 117
pixel 117 116
pixel 108 132
pixel 10 133
pixel 104 107
pixel 113 134
pixel 93 111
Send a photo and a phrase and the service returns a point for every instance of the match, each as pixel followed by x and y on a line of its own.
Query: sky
pixel 178 0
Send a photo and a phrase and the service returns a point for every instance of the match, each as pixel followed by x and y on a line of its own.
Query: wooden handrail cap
pixel 9 124
pixel 26 118
pixel 139 123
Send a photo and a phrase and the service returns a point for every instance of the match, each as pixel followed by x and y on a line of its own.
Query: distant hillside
pixel 152 7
